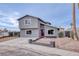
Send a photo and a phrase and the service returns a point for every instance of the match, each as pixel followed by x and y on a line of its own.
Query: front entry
pixel 42 32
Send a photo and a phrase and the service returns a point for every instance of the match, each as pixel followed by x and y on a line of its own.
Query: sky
pixel 59 15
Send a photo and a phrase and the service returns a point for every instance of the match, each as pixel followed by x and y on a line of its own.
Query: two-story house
pixel 31 26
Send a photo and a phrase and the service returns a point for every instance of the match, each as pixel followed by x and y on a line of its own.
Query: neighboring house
pixel 14 33
pixel 31 26
pixel 3 33
pixel 68 32
pixel 64 32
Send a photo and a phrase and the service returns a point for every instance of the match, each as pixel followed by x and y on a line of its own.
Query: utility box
pixel 52 43
pixel 30 40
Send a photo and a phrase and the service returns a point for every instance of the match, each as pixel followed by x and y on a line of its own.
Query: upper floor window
pixel 28 21
pixel 50 31
pixel 25 21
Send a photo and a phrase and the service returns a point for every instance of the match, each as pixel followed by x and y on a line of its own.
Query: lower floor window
pixel 29 32
pixel 50 31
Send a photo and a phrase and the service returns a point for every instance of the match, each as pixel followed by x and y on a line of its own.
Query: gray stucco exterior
pixel 33 23
pixel 55 32
pixel 35 33
pixel 37 27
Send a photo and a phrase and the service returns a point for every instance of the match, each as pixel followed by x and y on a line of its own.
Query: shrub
pixel 61 34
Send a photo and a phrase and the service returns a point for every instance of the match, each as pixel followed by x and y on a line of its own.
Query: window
pixel 28 21
pixel 25 21
pixel 50 31
pixel 28 32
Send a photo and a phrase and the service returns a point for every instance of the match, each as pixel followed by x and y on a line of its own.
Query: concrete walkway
pixel 51 51
pixel 20 46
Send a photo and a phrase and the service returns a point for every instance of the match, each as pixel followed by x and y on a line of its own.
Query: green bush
pixel 61 34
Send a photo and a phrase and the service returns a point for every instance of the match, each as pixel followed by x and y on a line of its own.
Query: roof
pixel 52 26
pixel 33 17
pixel 55 27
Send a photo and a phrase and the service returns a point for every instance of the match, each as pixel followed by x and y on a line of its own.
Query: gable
pixel 32 17
pixel 24 17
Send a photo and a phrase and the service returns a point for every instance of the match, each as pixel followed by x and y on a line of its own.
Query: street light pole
pixel 75 37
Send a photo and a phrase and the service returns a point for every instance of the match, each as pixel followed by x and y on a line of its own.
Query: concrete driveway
pixel 21 47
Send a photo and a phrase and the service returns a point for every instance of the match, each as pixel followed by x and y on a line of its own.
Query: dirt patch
pixel 6 38
pixel 62 43
pixel 72 46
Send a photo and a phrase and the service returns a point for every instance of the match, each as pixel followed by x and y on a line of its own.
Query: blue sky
pixel 60 15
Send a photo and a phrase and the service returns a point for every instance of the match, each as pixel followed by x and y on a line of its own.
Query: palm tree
pixel 75 37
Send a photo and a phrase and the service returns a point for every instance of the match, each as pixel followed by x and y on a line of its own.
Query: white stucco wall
pixel 4 34
pixel 49 28
pixel 35 27
pixel 35 33
pixel 33 23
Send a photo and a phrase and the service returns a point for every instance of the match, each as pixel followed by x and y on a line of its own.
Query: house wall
pixel 2 34
pixel 34 26
pixel 55 34
pixel 35 33
pixel 33 23
pixel 39 22
pixel 40 27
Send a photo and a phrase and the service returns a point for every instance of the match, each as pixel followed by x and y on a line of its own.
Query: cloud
pixel 16 13
pixel 9 19
pixel 13 21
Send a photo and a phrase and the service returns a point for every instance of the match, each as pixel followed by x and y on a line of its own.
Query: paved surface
pixel 21 47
